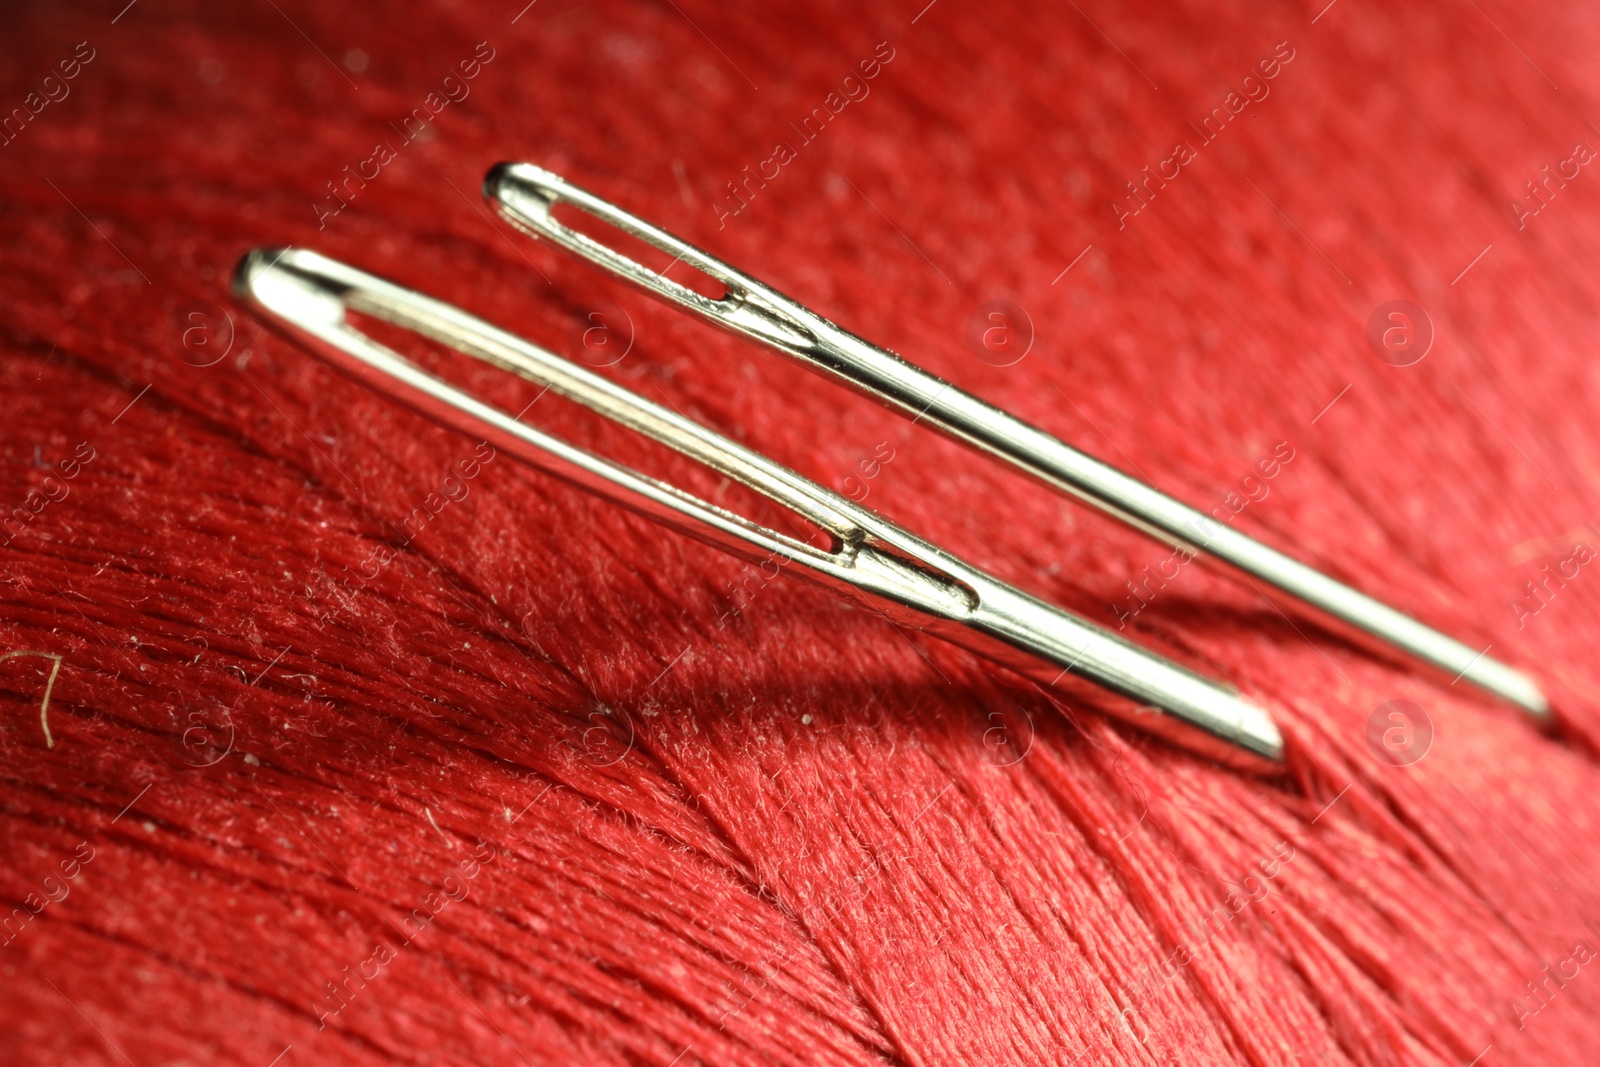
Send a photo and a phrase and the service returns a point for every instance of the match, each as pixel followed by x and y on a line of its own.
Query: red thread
pixel 739 828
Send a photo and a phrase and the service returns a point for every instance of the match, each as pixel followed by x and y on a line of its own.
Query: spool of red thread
pixel 330 737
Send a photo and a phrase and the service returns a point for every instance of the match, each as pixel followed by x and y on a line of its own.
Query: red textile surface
pixel 281 729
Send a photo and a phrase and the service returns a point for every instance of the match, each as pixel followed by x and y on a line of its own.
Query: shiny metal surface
pixel 908 579
pixel 527 195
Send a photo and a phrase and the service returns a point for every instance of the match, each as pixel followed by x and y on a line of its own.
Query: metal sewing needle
pixel 527 195
pixel 906 578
